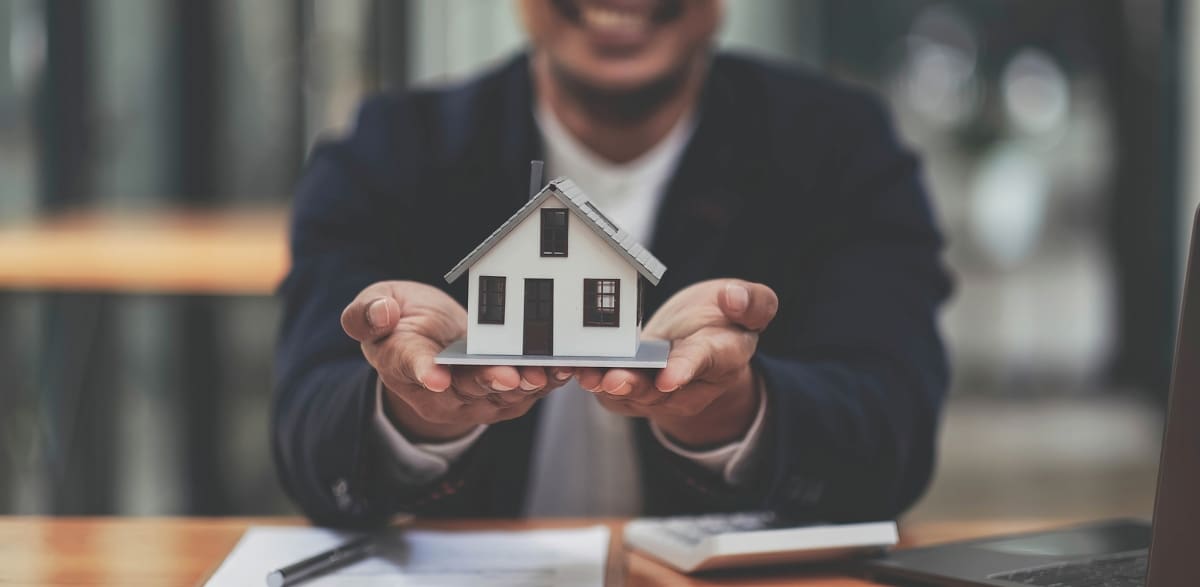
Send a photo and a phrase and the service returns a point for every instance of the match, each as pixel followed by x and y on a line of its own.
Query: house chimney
pixel 535 177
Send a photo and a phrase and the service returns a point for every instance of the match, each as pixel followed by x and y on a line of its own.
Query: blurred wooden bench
pixel 232 252
pixel 84 264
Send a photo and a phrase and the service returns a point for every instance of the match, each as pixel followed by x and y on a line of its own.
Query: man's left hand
pixel 706 395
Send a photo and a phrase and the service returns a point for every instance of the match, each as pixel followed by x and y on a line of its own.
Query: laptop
pixel 1122 553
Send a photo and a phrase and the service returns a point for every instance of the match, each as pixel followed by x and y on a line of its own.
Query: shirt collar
pixel 659 161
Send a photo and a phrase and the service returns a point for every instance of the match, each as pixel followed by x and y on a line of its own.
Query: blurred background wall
pixel 1053 134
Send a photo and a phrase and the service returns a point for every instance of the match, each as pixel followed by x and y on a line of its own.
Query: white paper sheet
pixel 573 557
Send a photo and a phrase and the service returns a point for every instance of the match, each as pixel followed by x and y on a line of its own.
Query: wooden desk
pixel 132 552
pixel 206 252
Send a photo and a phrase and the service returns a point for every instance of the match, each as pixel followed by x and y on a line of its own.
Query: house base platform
pixel 651 354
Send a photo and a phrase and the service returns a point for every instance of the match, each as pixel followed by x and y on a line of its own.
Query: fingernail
pixel 622 389
pixel 377 313
pixel 496 386
pixel 562 375
pixel 528 385
pixel 738 297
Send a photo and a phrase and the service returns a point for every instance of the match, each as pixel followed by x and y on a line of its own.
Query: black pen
pixel 322 563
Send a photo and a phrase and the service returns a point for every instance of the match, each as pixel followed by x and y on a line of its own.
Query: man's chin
pixel 614 79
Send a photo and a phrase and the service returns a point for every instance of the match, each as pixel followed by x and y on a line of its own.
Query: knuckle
pixel 398 370
pixel 406 362
pixel 463 397
pixel 724 346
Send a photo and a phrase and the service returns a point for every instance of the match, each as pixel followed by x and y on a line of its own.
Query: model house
pixel 557 279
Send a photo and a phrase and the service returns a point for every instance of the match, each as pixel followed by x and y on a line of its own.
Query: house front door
pixel 539 317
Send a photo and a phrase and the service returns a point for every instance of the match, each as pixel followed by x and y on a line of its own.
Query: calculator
pixel 716 541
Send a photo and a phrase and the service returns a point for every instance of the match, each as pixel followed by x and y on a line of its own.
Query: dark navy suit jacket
pixel 790 180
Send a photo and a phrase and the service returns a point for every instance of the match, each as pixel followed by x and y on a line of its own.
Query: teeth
pixel 615 20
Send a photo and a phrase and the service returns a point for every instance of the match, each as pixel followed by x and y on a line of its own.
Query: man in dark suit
pixel 800 299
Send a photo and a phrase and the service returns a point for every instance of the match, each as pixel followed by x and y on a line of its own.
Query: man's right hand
pixel 402 326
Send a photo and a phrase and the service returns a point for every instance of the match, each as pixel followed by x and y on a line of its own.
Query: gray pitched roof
pixel 576 201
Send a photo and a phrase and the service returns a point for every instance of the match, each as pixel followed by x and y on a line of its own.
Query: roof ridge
pixel 578 202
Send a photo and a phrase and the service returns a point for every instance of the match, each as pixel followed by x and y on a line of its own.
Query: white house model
pixel 557 279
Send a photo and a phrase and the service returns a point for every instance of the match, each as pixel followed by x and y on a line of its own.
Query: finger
pixel 561 374
pixel 467 386
pixel 504 399
pixel 752 305
pixel 408 364
pixel 497 378
pixel 619 405
pixel 589 378
pixel 622 382
pixel 639 385
pixel 688 359
pixel 370 317
pixel 416 362
pixel 533 379
pixel 472 384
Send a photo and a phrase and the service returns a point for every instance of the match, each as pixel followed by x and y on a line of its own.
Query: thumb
pixel 689 358
pixel 751 305
pixel 369 319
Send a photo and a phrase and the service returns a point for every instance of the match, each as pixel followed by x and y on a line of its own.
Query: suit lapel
pixel 707 191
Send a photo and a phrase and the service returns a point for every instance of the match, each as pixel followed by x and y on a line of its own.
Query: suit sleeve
pixel 857 371
pixel 328 456
pixel 322 398
pixel 853 365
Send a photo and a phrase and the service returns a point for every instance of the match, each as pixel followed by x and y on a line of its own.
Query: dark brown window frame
pixel 591 300
pixel 550 238
pixel 497 301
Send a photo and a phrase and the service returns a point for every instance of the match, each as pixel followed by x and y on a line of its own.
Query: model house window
pixel 601 302
pixel 554 232
pixel 491 300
